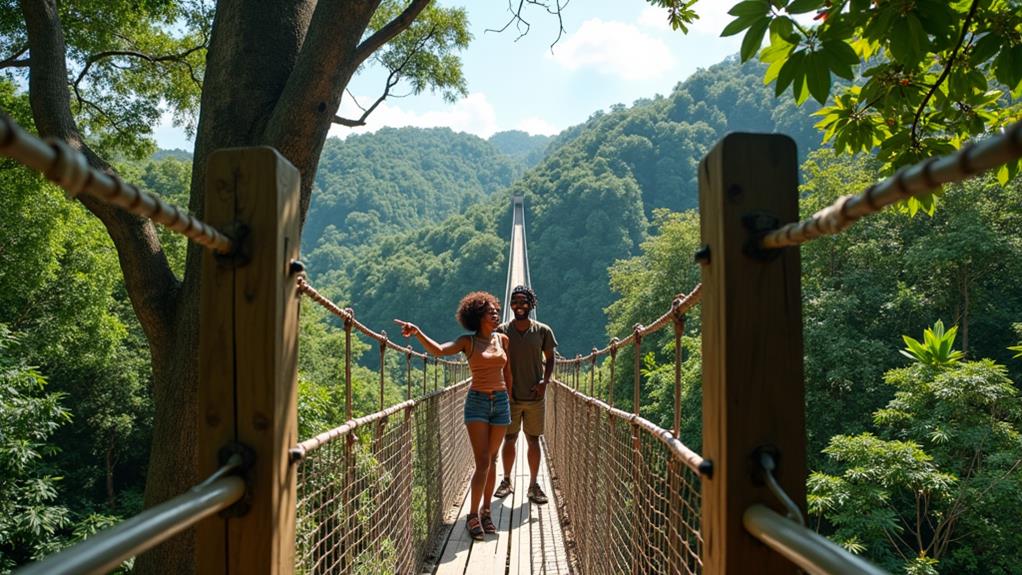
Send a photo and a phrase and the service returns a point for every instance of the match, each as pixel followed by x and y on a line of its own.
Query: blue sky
pixel 613 51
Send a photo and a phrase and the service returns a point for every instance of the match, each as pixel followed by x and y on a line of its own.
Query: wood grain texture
pixel 248 357
pixel 753 391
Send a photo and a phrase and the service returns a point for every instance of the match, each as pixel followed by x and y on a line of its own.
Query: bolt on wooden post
pixel 753 391
pixel 248 340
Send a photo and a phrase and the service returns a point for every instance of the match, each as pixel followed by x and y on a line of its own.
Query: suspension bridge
pixel 384 493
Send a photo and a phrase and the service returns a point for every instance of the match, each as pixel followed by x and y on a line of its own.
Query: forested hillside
pixel 409 220
pixel 589 203
pixel 396 179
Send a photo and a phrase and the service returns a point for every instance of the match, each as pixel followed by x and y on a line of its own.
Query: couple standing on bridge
pixel 511 364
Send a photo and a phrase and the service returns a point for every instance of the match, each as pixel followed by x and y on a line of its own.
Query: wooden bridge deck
pixel 529 540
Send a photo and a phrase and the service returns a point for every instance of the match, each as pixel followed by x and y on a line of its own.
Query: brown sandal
pixel 475 529
pixel 487 521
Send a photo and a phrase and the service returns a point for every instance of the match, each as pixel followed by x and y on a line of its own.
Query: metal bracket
pixel 765 460
pixel 247 455
pixel 759 224
pixel 241 252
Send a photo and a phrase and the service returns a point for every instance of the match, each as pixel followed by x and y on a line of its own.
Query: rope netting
pixel 912 181
pixel 70 169
pixel 373 492
pixel 631 488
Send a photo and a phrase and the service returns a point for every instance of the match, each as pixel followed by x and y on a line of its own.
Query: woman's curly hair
pixel 473 307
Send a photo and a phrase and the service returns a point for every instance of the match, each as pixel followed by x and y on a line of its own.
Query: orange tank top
pixel 486 362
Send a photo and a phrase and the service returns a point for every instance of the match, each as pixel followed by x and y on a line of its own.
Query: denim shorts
pixel 493 408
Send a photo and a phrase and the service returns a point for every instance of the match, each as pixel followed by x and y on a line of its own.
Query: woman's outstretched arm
pixel 409 329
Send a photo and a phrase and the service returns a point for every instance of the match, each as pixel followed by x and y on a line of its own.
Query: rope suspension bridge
pixel 382 493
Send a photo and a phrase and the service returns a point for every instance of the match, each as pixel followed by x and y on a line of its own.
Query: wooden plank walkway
pixel 529 540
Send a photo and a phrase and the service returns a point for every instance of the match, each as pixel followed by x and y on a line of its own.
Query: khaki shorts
pixel 531 413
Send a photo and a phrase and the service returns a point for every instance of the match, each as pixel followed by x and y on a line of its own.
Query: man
pixel 531 354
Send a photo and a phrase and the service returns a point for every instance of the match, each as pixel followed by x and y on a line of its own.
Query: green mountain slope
pixel 589 204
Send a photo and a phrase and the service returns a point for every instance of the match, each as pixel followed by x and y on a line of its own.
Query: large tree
pixel 99 74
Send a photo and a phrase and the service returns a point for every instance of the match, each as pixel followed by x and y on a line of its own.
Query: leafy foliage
pixel 31 518
pixel 918 78
pixel 938 491
pixel 935 349
pixel 128 63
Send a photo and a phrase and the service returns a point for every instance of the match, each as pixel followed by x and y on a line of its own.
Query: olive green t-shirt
pixel 525 353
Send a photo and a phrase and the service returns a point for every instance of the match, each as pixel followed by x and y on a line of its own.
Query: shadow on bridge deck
pixel 529 538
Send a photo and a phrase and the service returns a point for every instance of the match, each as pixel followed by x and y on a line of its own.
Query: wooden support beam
pixel 753 393
pixel 248 338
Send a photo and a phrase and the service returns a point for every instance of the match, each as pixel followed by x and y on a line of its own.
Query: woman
pixel 487 405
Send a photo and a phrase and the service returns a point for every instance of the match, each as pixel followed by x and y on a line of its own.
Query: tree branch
pixel 13 61
pixel 178 58
pixel 390 30
pixel 943 75
pixel 392 79
pixel 519 21
pixel 148 279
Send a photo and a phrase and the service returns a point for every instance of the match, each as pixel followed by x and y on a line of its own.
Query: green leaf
pixel 841 52
pixel 1004 66
pixel 776 55
pixel 803 6
pixel 800 87
pixel 985 48
pixel 738 25
pixel 754 38
pixel 750 8
pixel 899 43
pixel 818 77
pixel 1017 348
pixel 784 29
pixel 787 73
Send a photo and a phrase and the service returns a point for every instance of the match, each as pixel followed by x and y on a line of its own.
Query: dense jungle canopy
pixel 916 459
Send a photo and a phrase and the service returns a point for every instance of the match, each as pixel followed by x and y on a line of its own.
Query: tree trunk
pixel 172 461
pixel 275 73
pixel 965 308
pixel 110 475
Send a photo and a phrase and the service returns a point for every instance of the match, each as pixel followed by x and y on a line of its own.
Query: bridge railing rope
pixel 753 385
pixel 372 493
pixel 70 169
pixel 655 519
pixel 631 488
pixel 909 182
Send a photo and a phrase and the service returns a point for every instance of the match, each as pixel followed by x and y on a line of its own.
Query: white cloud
pixel 654 18
pixel 537 127
pixel 614 48
pixel 713 17
pixel 473 114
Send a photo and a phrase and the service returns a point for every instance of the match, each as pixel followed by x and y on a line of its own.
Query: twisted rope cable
pixel 348 314
pixel 681 304
pixel 908 182
pixel 70 169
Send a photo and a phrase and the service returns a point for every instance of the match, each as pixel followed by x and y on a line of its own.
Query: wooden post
pixel 248 339
pixel 753 393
